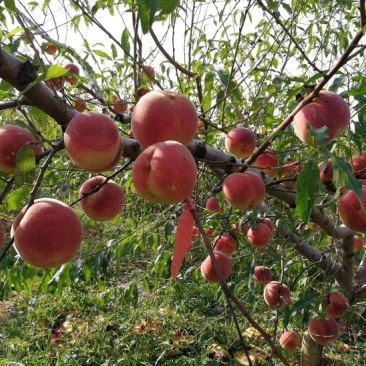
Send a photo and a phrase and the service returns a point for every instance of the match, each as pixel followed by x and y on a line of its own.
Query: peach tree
pixel 147 110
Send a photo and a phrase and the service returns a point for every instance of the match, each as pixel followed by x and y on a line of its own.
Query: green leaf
pixel 146 10
pixel 26 163
pixel 343 175
pixel 10 6
pixel 14 31
pixel 102 54
pixel 125 43
pixel 167 6
pixel 17 199
pixel 320 134
pixel 55 71
pixel 306 186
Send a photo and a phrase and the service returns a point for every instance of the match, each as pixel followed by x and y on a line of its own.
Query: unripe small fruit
pixel 208 269
pixel 323 331
pixel 290 340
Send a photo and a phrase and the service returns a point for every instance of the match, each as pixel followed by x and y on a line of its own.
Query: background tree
pixel 261 66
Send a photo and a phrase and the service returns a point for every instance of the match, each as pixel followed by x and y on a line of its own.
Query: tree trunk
pixel 311 352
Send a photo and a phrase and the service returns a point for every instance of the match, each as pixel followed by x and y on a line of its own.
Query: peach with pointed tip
pixel 12 139
pixel 48 234
pixel 240 142
pixel 208 269
pixel 326 110
pixel 323 331
pixel 290 340
pixel 106 203
pixel 93 141
pixel 165 172
pixel 244 190
pixel 164 115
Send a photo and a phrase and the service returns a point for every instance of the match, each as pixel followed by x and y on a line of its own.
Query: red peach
pixel 12 139
pixel 276 294
pixel 93 141
pixel 358 163
pixel 259 237
pixel 357 243
pixel 262 275
pixel 148 70
pixel 225 243
pixel 212 205
pixel 208 269
pixel 244 190
pixel 267 162
pixel 351 211
pixel 337 304
pixel 163 115
pixel 326 173
pixel 48 234
pixel 80 105
pixel 326 110
pixel 323 331
pixel 103 205
pixel 267 221
pixel 73 69
pixel 49 48
pixel 120 105
pixel 165 173
pixel 240 142
pixel 195 232
pixel 290 340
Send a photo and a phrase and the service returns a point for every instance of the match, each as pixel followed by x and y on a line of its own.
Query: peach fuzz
pixel 357 243
pixel 164 115
pixel 225 243
pixel 259 237
pixel 276 294
pixel 351 211
pixel 243 190
pixel 2 234
pixel 240 142
pixel 323 331
pixel 326 173
pixel 326 110
pixel 165 173
pixel 104 204
pixel 358 163
pixel 290 340
pixel 48 234
pixel 212 205
pixel 267 162
pixel 262 275
pixel 93 141
pixel 208 269
pixel 337 304
pixel 12 139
